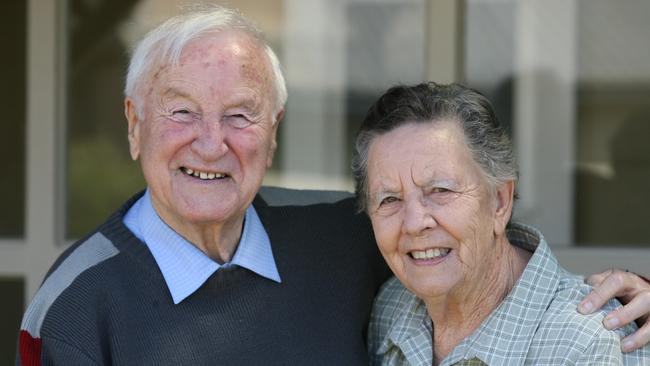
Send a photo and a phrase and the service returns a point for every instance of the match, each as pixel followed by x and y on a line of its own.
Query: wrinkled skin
pixel 211 113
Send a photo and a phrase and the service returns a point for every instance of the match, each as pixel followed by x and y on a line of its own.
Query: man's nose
pixel 211 141
pixel 418 217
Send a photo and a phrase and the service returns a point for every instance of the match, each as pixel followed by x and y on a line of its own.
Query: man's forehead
pixel 223 47
pixel 234 61
pixel 233 53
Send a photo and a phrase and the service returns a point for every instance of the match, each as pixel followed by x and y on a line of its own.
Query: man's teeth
pixel 203 175
pixel 430 253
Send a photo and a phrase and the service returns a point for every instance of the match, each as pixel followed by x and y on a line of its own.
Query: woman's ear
pixel 133 121
pixel 504 201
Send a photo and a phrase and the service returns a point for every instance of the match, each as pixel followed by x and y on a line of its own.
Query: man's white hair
pixel 164 45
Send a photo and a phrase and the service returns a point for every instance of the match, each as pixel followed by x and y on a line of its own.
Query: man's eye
pixel 237 117
pixel 238 120
pixel 440 190
pixel 183 116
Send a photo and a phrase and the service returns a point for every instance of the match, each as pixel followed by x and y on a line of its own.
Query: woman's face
pixel 432 210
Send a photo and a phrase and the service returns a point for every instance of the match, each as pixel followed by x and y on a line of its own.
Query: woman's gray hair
pixel 487 140
pixel 164 45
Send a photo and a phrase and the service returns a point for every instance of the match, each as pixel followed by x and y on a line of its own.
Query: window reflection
pixel 613 167
pixel 101 174
pixel 603 79
pixel 12 127
pixel 339 58
pixel 613 123
pixel 11 308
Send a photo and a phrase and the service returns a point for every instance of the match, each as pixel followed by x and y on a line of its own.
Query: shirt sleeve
pixel 605 349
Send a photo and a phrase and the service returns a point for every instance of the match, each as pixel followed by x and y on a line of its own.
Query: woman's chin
pixel 431 288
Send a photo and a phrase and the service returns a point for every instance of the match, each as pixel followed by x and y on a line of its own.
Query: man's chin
pixel 204 209
pixel 212 214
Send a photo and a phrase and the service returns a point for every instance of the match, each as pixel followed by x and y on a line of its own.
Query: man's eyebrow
pixel 247 101
pixel 175 92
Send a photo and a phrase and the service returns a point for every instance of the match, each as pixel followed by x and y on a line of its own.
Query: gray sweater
pixel 105 301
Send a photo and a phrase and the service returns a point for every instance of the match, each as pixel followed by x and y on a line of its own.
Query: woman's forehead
pixel 422 153
pixel 423 144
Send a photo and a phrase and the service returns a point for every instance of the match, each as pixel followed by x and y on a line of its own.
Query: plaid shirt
pixel 536 324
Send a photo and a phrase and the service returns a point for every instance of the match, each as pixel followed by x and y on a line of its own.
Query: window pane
pixel 380 34
pixel 101 174
pixel 12 128
pixel 572 82
pixel 11 308
pixel 339 56
pixel 613 124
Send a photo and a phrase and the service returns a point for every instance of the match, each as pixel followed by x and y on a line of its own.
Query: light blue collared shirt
pixel 185 267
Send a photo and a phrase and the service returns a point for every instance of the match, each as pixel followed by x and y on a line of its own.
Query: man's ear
pixel 132 118
pixel 504 201
pixel 279 116
pixel 274 143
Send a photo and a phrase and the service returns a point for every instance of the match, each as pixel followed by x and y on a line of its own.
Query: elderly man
pixel 198 269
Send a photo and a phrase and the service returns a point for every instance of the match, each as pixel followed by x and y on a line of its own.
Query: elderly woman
pixel 436 174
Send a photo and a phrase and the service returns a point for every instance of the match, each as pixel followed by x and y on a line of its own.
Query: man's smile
pixel 203 175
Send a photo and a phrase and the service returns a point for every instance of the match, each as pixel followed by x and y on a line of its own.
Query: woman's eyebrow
pixel 435 182
pixel 382 192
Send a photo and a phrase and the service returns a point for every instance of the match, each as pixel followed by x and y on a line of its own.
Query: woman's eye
pixel 181 111
pixel 388 200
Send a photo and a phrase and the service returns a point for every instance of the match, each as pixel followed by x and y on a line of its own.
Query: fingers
pixel 595 279
pixel 629 288
pixel 608 285
pixel 636 340
pixel 638 308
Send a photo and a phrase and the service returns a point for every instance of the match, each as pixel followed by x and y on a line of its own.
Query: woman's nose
pixel 418 218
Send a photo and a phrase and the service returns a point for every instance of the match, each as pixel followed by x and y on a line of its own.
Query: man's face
pixel 208 131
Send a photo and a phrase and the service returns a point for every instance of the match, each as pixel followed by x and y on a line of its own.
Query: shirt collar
pixel 185 267
pixel 411 330
pixel 497 341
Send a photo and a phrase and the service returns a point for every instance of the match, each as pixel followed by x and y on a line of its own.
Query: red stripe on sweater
pixel 29 349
